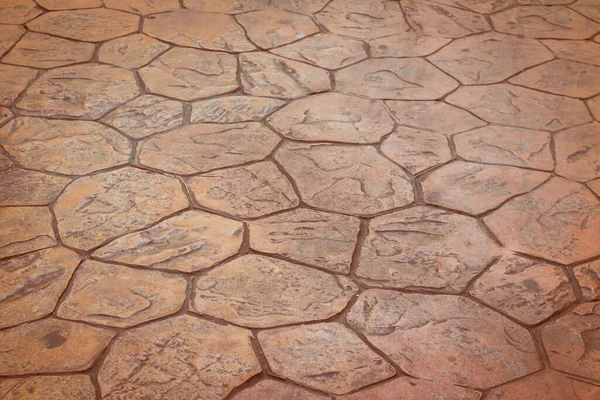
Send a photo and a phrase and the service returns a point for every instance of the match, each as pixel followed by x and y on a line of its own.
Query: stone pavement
pixel 300 199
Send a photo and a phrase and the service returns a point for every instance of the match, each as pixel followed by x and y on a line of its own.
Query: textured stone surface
pixel 578 152
pixel 406 44
pixel 226 6
pixel 143 6
pixel 25 229
pixel 594 105
pixel 29 188
pixel 301 6
pixel 132 51
pixel 18 11
pixel 482 7
pixel 588 277
pixel 589 8
pixel 270 388
pixel 43 51
pixel 581 51
pixel 5 116
pixel 414 389
pixel 5 162
pixel 14 81
pixel 9 34
pixel 272 27
pixel 595 186
pixel 233 109
pixel 48 388
pixel 69 4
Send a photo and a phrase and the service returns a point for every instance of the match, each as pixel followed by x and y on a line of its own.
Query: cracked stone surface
pixel 69 4
pixel 25 229
pixel 29 188
pixel 232 109
pixel 278 390
pixel 414 389
pixel 301 6
pixel 406 44
pixel 588 277
pixel 578 152
pixel 132 51
pixel 18 11
pixel 581 51
pixel 143 6
pixel 14 81
pixel 44 51
pixel 226 6
pixel 9 35
pixel 56 387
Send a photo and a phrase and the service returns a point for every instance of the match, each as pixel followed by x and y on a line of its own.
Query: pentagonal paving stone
pixel 9 35
pixel 424 248
pixel 226 6
pixel 198 29
pixel 326 356
pixel 489 57
pixel 203 147
pixel 245 192
pixel 58 387
pixel 189 242
pixel 233 109
pixel 301 6
pixel 132 51
pixel 348 179
pixel 414 389
pixel 146 116
pixel 43 51
pixel 482 7
pixel 517 106
pixel 578 152
pixel 264 74
pixel 184 356
pixel 143 6
pixel 333 117
pixel 476 188
pixel 589 8
pixel 18 11
pixel 262 292
pixel 559 221
pixel 98 207
pixel 445 337
pixel 14 81
pixel 25 229
pixel 189 74
pixel 313 237
pixel 69 4
pixel 406 44
pixel 506 145
pixel 66 147
pixel 92 25
pixel 395 78
pixel 581 51
pixel 270 388
pixel 86 90
pixel 51 345
pixel 588 277
pixel 120 296
pixel 29 188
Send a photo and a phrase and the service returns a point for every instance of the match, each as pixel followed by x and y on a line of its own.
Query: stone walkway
pixel 300 199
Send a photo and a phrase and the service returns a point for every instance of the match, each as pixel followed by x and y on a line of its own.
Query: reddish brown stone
pixel 594 105
pixel 25 229
pixel 407 388
pixel 272 389
pixel 226 6
pixel 588 277
pixel 231 109
pixel 406 44
pixel 69 4
pixel 5 162
pixel 143 6
pixel 589 8
pixel 9 35
pixel 595 186
pixel 132 51
pixel 5 116
pixel 14 81
pixel 300 6
pixel 578 152
pixel 479 6
pixel 581 51
pixel 59 387
pixel 18 11
pixel 43 51
pixel 29 188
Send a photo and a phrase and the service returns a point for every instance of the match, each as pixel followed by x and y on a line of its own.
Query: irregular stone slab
pixel 189 74
pixel 5 162
pixel 18 11
pixel 69 4
pixel 559 221
pixel 231 109
pixel 395 78
pixel 445 337
pixel 182 356
pixel 25 229
pixel 414 389
pixel 506 145
pixel 513 105
pixel 416 150
pixel 300 6
pixel 66 147
pixel 424 248
pixel 578 152
pixel 99 207
pixel 189 242
pixel 588 277
pixel 313 237
pixel 226 6
pixel 307 354
pixel 595 186
pixel 349 179
pixel 86 90
pixel 406 44
pixel 143 7
pixel 197 29
pixel 5 116
pixel 9 35
pixel 14 81
pixel 29 188
pixel 589 8
pixel 91 25
pixel 51 345
pixel 333 117
pixel 146 116
pixel 270 388
pixel 204 147
pixel 43 51
pixel 132 51
pixel 594 105
pixel 263 74
pixel 48 388
pixel 482 7
pixel 581 51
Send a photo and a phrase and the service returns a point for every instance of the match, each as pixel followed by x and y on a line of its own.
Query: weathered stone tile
pixel 333 117
pixel 588 277
pixel 263 74
pixel 25 229
pixel 395 78
pixel 184 357
pixel 313 237
pixel 143 7
pixel 581 51
pixel 58 387
pixel 349 179
pixel 226 6
pixel 595 186
pixel 578 152
pixel 559 221
pixel 99 207
pixel 406 44
pixel 300 6
pixel 308 354
pixel 190 74
pixel 18 11
pixel 43 51
pixel 270 388
pixel 51 345
pixel 5 116
pixel 594 105
pixel 5 162
pixel 589 8
pixel 204 147
pixel 445 337
pixel 9 34
pixel 479 6
pixel 232 109
pixel 14 81
pixel 29 188
pixel 132 51
pixel 424 248
pixel 69 4
pixel 246 192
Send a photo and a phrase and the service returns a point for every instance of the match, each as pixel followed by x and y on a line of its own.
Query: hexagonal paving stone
pixel 204 147
pixel 9 35
pixel 48 388
pixel 132 51
pixel 424 248
pixel 43 51
pixel 69 4
pixel 445 337
pixel 559 221
pixel 349 179
pixel 14 81
pixel 326 356
pixel 99 207
pixel 25 229
pixel 578 152
pixel 406 44
pixel 66 147
pixel 143 6
pixel 29 188
pixel 270 388
pixel 231 109
pixel 395 78
pixel 581 51
pixel 589 8
pixel 300 6
pixel 182 356
pixel 333 117
pixel 18 11
pixel 189 74
pixel 226 6
pixel 588 277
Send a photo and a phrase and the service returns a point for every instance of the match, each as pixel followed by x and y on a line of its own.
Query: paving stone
pixel 424 248
pixel 594 105
pixel 543 2
pixel 578 152
pixel 313 237
pixel 595 186
pixel 246 192
pixel 48 388
pixel 198 29
pixel 270 388
pixel 132 51
pixel 395 78
pixel 588 277
pixel 226 6
pixel 325 356
pixel 25 229
pixel 333 117
pixel 406 44
pixel 204 147
pixel 264 74
pixel 51 345
pixel 231 109
pixel 581 51
pixel 29 188
pixel 445 337
pixel 99 207
pixel 92 25
pixel 513 105
pixel 589 8
pixel 9 35
pixel 189 74
pixel 181 357
pixel 69 4
pixel 143 7
pixel 66 147
pixel 85 90
pixel 14 81
pixel 348 179
pixel 559 221
pixel 5 116
pixel 478 6
pixel 43 51
pixel 18 11
pixel 5 162
pixel 300 6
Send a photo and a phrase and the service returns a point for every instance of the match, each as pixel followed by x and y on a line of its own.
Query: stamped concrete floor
pixel 300 199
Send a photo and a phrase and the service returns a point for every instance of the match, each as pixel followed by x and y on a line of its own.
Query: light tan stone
pixel 479 6
pixel 270 388
pixel 588 277
pixel 406 44
pixel 581 51
pixel 226 6
pixel 595 186
pixel 578 152
pixel 232 109
pixel 416 150
pixel 18 11
pixel 273 27
pixel 69 4
pixel 300 6
pixel 38 50
pixel 143 7
pixel 589 8
pixel 14 81
pixel 25 229
pixel 132 51
pixel 58 387
pixel 407 388
pixel 9 35
pixel 29 188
